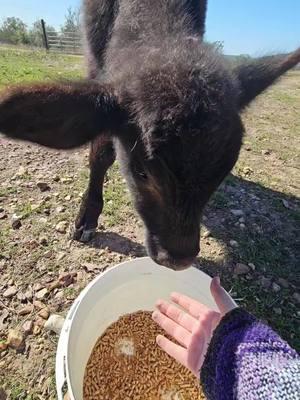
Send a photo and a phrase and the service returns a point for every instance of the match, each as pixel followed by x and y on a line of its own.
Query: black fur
pixel 170 103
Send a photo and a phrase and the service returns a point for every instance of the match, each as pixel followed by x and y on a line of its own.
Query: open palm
pixel 192 328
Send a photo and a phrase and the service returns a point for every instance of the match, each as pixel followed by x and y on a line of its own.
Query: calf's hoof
pixel 83 235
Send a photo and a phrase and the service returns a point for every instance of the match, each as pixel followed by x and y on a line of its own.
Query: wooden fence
pixel 62 41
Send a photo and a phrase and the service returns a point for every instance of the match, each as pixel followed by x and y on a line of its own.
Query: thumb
pixel 223 299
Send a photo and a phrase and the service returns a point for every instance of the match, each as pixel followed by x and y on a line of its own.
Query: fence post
pixel 45 34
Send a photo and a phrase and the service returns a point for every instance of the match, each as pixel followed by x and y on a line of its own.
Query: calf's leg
pixel 102 156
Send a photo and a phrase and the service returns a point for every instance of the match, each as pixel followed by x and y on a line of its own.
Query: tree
pixel 14 30
pixel 72 21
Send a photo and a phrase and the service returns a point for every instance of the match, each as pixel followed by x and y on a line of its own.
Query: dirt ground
pixel 249 235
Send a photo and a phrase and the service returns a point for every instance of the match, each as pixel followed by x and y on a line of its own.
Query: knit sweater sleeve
pixel 247 360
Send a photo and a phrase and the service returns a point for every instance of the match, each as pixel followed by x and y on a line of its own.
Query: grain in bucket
pixel 124 289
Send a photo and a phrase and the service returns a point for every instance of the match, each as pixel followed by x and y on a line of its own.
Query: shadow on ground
pixel 266 227
pixel 118 244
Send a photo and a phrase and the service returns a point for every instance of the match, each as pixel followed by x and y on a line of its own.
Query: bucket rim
pixel 61 368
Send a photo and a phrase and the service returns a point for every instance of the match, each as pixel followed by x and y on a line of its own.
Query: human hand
pixel 192 328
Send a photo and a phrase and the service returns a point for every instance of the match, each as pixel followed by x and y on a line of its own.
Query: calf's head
pixel 178 132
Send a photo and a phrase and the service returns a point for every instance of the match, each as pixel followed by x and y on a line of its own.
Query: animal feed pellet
pixel 127 364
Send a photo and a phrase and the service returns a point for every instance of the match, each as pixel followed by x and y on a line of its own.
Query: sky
pixel 255 27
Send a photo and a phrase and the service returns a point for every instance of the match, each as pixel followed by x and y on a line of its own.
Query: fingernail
pixel 155 315
pixel 218 280
pixel 158 303
pixel 173 296
pixel 159 339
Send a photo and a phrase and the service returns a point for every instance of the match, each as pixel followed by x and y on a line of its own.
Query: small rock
pixel 36 330
pixel 43 186
pixel 66 180
pixel 284 283
pixel 26 310
pixel 40 322
pixel 22 171
pixel 237 213
pixel 39 305
pixel 206 234
pixel 277 311
pixel 265 152
pixel 32 244
pixel 16 222
pixel 41 294
pixel 43 241
pixel 265 282
pixel 54 323
pixel 15 340
pixel 233 243
pixel 10 292
pixel 3 316
pixel 3 215
pixel 276 288
pixel 241 269
pixel 21 296
pixel 60 209
pixel 37 286
pixel 296 296
pixel 59 295
pixel 61 227
pixel 242 226
pixel 248 171
pixel 29 294
pixel 68 198
pixel 90 267
pixel 48 254
pixel 66 279
pixel 56 178
pixel 3 347
pixel 47 211
pixel 27 327
pixel 54 285
pixel 43 220
pixel 60 256
pixel 286 204
pixel 44 313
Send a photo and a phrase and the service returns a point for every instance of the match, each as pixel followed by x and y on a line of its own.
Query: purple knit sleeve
pixel 246 360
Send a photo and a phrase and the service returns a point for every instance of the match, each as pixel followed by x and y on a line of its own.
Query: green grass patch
pixel 24 66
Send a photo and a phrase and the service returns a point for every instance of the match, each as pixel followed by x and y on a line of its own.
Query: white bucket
pixel 126 288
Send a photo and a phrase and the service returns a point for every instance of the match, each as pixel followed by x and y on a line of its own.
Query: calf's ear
pixel 61 116
pixel 256 76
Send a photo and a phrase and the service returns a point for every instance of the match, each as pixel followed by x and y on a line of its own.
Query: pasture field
pixel 263 234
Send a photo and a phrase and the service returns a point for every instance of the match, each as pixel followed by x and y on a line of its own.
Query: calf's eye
pixel 140 174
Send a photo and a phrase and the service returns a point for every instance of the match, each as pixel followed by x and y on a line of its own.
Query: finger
pixel 181 318
pixel 180 334
pixel 223 299
pixel 196 353
pixel 175 351
pixel 193 307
